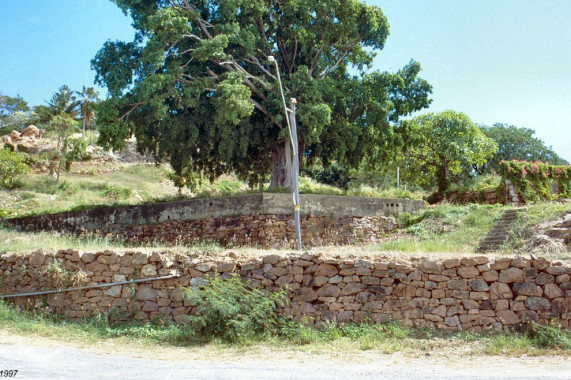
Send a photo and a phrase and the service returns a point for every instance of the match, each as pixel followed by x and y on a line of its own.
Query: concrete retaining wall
pixel 262 219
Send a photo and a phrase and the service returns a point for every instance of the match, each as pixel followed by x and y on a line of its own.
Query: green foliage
pixel 12 166
pixel 334 175
pixel 535 180
pixel 550 336
pixel 196 86
pixel 14 113
pixel 62 103
pixel 117 192
pixel 78 150
pixel 233 310
pixel 63 126
pixel 439 146
pixel 517 144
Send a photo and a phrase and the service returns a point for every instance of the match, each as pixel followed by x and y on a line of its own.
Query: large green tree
pixel 517 144
pixel 14 113
pixel 196 86
pixel 439 146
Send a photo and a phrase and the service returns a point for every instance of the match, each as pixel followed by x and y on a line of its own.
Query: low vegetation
pixel 443 228
pixel 231 312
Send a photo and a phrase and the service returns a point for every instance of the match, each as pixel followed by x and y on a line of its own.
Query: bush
pixel 233 310
pixel 12 165
pixel 333 175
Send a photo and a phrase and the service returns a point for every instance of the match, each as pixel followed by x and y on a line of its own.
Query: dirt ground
pixel 452 360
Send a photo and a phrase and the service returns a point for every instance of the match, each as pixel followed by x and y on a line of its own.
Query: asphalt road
pixel 70 363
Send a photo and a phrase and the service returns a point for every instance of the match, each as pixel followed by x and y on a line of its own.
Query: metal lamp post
pixel 292 127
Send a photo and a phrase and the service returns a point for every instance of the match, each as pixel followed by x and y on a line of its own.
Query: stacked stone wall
pixel 471 293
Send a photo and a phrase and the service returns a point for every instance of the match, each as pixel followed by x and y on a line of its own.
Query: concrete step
pixel 499 234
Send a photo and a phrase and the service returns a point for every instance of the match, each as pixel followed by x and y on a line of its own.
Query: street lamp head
pixel 271 58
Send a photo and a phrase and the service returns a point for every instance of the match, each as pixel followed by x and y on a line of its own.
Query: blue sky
pixel 503 61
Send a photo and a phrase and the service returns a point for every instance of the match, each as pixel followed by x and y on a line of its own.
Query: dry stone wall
pixel 472 293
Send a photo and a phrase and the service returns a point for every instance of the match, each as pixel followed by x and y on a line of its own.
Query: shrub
pixel 232 310
pixel 12 165
pixel 334 175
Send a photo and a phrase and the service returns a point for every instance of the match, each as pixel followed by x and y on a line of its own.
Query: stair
pixel 499 235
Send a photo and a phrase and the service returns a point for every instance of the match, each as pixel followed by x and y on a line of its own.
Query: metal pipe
pixel 108 284
pixel 295 169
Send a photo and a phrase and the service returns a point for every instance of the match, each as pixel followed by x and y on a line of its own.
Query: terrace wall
pixel 472 293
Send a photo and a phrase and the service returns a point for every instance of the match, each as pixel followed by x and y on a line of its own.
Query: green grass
pixel 384 338
pixel 443 228
pixel 12 241
pixel 41 194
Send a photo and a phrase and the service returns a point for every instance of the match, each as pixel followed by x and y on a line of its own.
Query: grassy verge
pixel 443 228
pixel 382 338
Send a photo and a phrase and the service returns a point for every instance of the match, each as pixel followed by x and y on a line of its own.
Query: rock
pixel 511 275
pixel 440 311
pixel 500 290
pixel 353 288
pixel 544 278
pixel 537 303
pixel 561 305
pixel 479 285
pixel 556 270
pixel 149 270
pixel 203 267
pixel 37 259
pixel 329 290
pixel 552 291
pixel 451 263
pixel 491 276
pixel 457 284
pixel 452 321
pixel 33 132
pixel 527 288
pixel 540 263
pixel 113 291
pixel 468 272
pixel 545 244
pixel 146 293
pixel 140 258
pixel 508 317
pixel 326 270
pixel 305 295
pixel 432 267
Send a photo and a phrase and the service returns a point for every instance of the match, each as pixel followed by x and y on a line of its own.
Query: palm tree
pixel 87 109
pixel 64 102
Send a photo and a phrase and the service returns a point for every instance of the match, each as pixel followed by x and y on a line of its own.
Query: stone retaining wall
pixel 474 293
pixel 262 219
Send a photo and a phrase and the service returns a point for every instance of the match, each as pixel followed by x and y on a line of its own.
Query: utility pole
pixel 292 126
pixel 295 169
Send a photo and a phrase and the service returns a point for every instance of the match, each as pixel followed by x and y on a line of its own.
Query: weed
pixel 233 310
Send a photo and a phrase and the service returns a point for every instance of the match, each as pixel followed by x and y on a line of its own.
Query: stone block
pixel 468 272
pixel 537 303
pixel 511 275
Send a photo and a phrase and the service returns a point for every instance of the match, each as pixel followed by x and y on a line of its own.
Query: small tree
pixel 63 126
pixel 440 145
pixel 87 106
pixel 12 165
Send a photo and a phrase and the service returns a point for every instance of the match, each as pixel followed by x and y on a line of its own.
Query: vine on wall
pixel 536 180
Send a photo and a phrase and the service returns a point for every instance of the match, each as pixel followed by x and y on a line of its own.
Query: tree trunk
pixel 281 166
pixel 442 179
